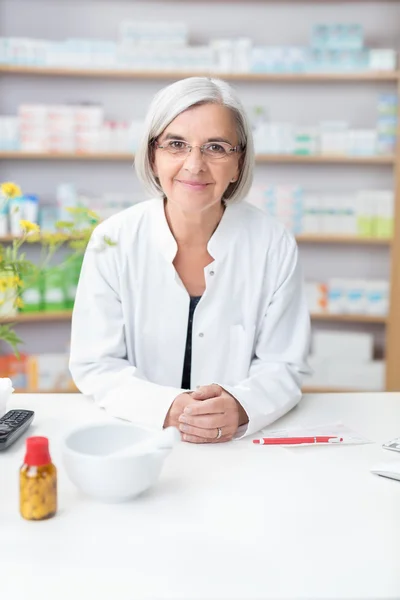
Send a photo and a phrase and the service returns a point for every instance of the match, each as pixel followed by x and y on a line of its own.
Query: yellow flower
pixel 29 227
pixel 15 281
pixel 10 190
pixel 19 303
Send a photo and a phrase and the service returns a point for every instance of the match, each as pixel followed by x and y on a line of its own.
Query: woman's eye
pixel 216 148
pixel 176 145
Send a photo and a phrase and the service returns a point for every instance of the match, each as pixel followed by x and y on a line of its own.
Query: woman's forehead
pixel 206 120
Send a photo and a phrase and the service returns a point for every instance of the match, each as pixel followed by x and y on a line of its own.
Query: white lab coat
pixel 251 328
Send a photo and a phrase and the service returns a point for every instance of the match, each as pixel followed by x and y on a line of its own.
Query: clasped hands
pixel 199 415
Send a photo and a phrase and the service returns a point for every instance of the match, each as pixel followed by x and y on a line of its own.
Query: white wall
pixel 269 23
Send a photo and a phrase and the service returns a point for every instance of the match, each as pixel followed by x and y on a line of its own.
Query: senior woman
pixel 196 316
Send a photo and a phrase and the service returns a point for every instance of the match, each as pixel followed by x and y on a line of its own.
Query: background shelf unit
pixel 20 75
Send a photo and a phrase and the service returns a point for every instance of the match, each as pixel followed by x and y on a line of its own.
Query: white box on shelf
pixel 88 117
pixel 355 296
pixel 377 295
pixel 333 137
pixel 382 59
pixel 336 296
pixel 353 346
pixel 223 50
pixel 366 376
pixel 363 142
pixel 317 297
pixel 312 213
pixel 9 133
pixel 242 55
pixel 49 372
pixel 318 376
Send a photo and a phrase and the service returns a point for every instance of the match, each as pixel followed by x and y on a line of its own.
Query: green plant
pixel 15 268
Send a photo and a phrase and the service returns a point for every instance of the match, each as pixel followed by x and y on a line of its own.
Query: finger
pixel 204 421
pixel 204 392
pixel 207 407
pixel 198 432
pixel 194 439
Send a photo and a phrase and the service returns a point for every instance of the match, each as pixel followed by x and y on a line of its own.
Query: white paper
pixel 6 389
pixel 337 429
pixel 392 445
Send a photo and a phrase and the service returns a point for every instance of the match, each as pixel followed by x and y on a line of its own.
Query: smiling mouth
pixel 193 184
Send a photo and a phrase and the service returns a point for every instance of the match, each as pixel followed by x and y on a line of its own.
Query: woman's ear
pixel 238 169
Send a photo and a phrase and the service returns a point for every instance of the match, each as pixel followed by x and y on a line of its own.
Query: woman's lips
pixel 194 185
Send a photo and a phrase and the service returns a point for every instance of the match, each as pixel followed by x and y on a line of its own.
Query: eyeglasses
pixel 211 150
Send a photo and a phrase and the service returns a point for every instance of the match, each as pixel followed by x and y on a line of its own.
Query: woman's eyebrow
pixel 174 136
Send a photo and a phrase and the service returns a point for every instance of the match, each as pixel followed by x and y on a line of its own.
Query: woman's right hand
pixel 177 408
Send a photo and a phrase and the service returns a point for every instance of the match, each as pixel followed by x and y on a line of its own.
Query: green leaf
pixel 64 224
pixel 8 335
pixel 109 241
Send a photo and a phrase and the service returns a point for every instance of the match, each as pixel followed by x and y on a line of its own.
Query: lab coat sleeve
pixel 98 359
pixel 273 385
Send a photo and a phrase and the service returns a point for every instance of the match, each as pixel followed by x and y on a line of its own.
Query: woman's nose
pixel 194 161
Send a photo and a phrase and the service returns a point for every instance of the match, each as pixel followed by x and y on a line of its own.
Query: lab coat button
pixel 201 334
pixel 212 273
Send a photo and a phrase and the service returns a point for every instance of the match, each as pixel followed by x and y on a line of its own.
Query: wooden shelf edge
pixel 62 315
pixel 332 390
pixel 325 159
pixel 55 391
pixel 261 158
pixel 366 76
pixel 11 238
pixel 348 318
pixel 20 155
pixel 342 239
pixel 67 314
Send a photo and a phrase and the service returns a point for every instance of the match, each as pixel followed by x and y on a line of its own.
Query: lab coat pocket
pixel 240 351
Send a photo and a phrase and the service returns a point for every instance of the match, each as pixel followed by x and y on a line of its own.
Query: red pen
pixel 317 439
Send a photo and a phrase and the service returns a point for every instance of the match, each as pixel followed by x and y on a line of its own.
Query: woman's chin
pixel 193 202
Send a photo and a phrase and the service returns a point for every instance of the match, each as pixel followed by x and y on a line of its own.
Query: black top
pixel 187 362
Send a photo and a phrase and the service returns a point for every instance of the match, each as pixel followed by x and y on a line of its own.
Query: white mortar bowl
pixel 90 466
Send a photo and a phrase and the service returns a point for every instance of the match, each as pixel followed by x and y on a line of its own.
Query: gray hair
pixel 174 99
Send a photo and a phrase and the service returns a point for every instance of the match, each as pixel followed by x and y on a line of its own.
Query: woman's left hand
pixel 217 409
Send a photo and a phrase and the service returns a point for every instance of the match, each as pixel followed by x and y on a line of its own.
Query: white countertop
pixel 228 521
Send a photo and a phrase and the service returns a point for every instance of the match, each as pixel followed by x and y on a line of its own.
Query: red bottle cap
pixel 37 451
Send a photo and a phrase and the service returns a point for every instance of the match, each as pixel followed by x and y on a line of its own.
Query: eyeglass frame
pixel 232 149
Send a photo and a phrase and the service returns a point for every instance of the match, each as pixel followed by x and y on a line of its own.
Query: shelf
pixel 65 315
pixel 301 239
pixel 62 315
pixel 325 159
pixel 349 318
pixel 263 158
pixel 10 238
pixel 55 391
pixel 110 156
pixel 330 390
pixel 342 239
pixel 263 77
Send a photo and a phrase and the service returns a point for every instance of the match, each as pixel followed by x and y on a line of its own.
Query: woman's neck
pixel 193 229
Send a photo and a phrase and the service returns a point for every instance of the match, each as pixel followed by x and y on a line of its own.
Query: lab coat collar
pixel 221 240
